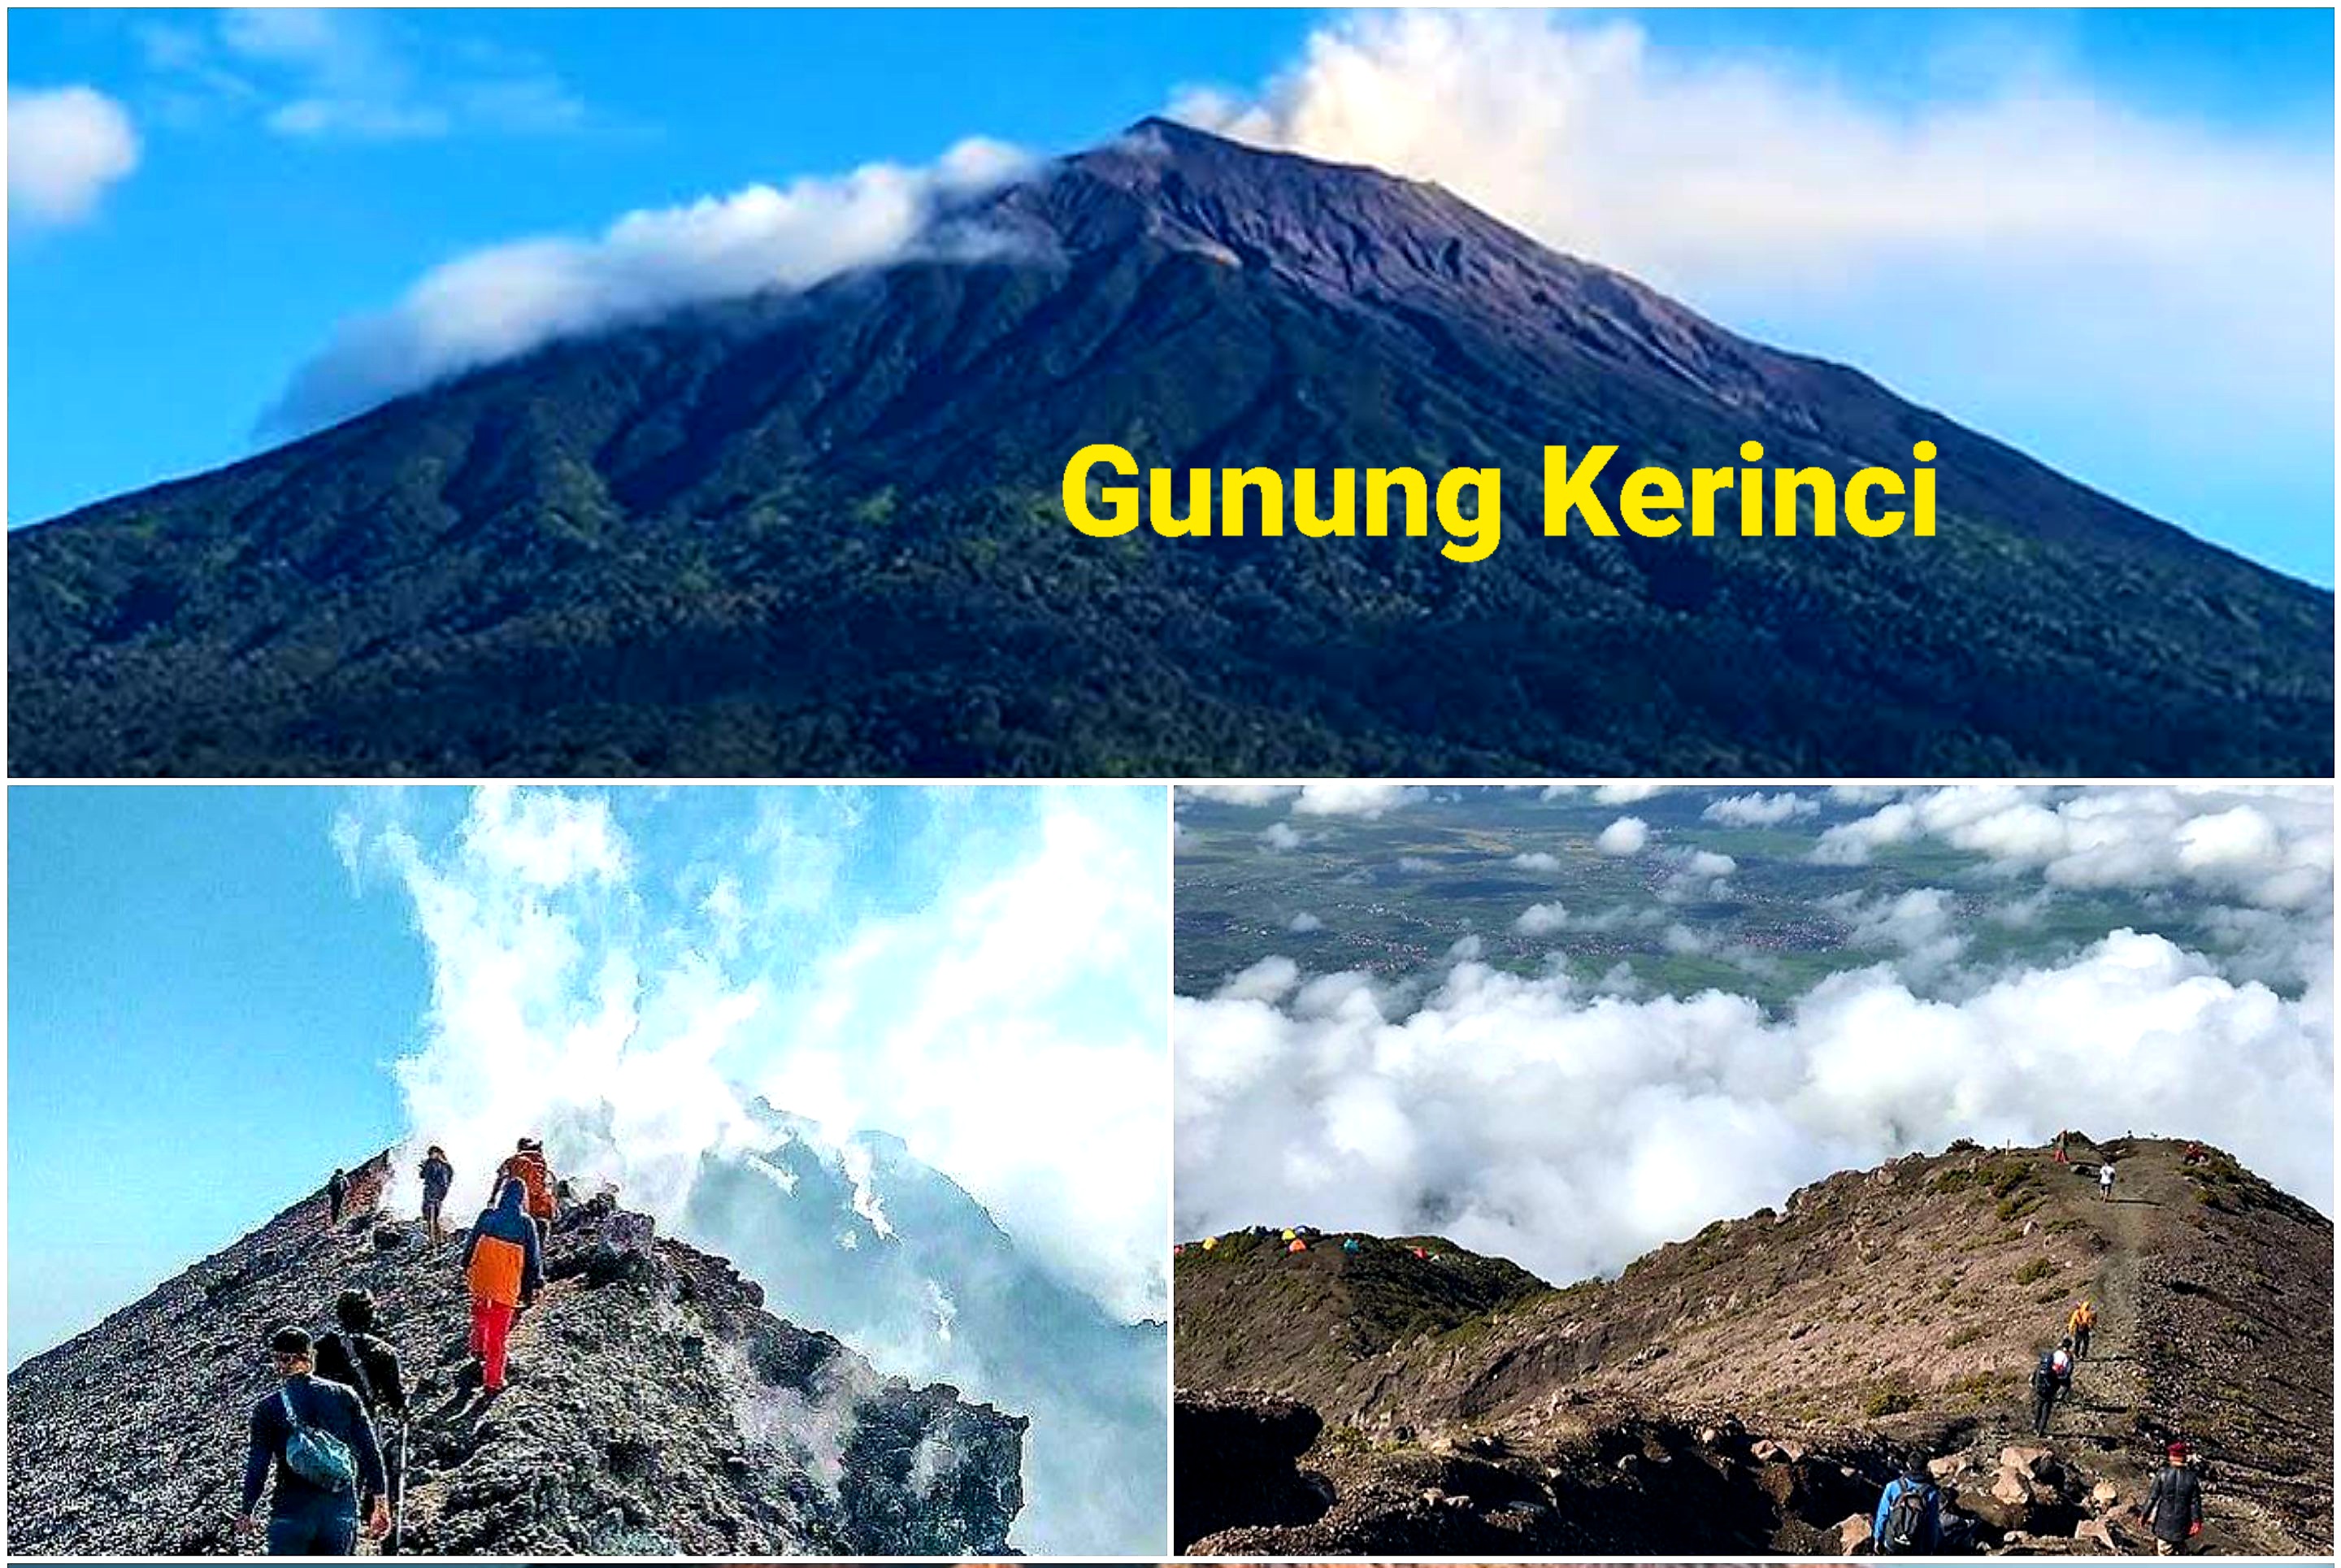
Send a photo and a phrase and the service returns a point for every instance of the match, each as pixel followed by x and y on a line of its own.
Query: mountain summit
pixel 655 1408
pixel 1752 1388
pixel 820 533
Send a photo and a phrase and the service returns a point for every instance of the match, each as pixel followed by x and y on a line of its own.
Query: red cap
pixel 2177 1450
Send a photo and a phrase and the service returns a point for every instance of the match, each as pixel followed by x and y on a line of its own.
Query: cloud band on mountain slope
pixel 510 299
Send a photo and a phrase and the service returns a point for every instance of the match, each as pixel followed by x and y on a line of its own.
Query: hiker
pixel 438 1176
pixel 2061 1156
pixel 505 1267
pixel 2045 1383
pixel 355 1357
pixel 2060 1362
pixel 1909 1515
pixel 2078 1327
pixel 2106 1181
pixel 526 1165
pixel 337 1193
pixel 317 1437
pixel 2173 1508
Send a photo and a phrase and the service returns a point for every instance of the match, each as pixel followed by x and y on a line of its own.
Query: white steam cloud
pixel 1009 1030
pixel 67 146
pixel 1558 1120
pixel 509 299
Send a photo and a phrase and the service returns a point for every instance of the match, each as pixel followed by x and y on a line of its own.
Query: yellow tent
pixel 1293 1235
pixel 1211 1241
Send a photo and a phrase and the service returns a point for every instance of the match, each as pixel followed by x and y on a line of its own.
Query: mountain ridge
pixel 654 1407
pixel 819 532
pixel 1774 1370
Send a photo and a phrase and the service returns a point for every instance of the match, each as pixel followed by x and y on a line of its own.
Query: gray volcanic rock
pixel 654 1407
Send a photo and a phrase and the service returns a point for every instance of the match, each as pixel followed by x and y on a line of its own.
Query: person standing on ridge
pixel 337 1193
pixel 506 1268
pixel 526 1165
pixel 2106 1181
pixel 317 1435
pixel 438 1177
pixel 2173 1508
pixel 2078 1327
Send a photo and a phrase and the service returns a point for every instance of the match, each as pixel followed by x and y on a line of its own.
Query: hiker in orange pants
pixel 505 1269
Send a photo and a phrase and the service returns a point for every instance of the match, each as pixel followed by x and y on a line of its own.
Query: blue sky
pixel 216 994
pixel 285 182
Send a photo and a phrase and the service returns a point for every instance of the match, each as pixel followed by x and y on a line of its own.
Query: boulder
pixel 2030 1458
pixel 2104 1496
pixel 2096 1533
pixel 1772 1452
pixel 1853 1535
pixel 2011 1488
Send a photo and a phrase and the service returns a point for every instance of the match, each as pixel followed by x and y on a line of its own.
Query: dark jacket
pixel 2174 1503
pixel 501 1259
pixel 438 1175
pixel 327 1406
pixel 374 1372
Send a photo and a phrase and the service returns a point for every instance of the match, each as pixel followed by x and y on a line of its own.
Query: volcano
pixel 1751 1389
pixel 820 533
pixel 656 1408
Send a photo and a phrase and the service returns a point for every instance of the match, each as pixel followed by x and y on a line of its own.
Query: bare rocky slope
pixel 1752 1388
pixel 654 1408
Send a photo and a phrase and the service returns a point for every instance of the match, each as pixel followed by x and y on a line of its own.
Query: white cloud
pixel 1355 797
pixel 1278 836
pixel 1537 860
pixel 1922 924
pixel 352 74
pixel 509 299
pixel 1540 920
pixel 1759 810
pixel 1458 1094
pixel 1624 794
pixel 2013 220
pixel 1625 836
pixel 2272 848
pixel 67 146
pixel 1304 923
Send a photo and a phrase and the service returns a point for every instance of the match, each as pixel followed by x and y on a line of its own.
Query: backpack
pixel 2044 1380
pixel 314 1454
pixel 1906 1519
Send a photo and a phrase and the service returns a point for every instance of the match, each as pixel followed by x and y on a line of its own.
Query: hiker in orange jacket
pixel 505 1269
pixel 527 1167
pixel 2078 1327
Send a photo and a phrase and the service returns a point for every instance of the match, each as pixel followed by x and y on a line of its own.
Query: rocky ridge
pixel 654 1408
pixel 1751 1389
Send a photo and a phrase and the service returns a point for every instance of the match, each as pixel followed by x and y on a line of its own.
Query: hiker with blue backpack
pixel 316 1437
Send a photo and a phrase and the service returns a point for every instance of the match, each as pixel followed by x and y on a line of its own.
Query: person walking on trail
pixel 526 1165
pixel 337 1193
pixel 2105 1181
pixel 316 1437
pixel 2173 1509
pixel 2044 1394
pixel 438 1177
pixel 1909 1515
pixel 353 1356
pixel 505 1265
pixel 2078 1327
